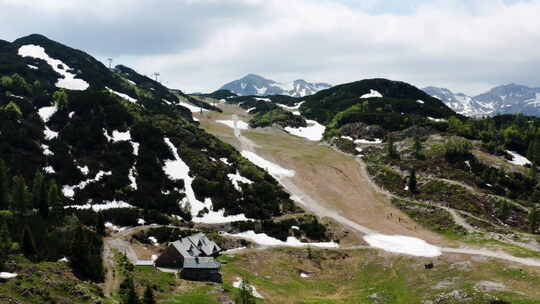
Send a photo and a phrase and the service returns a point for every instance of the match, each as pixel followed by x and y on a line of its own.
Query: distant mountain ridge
pixel 252 84
pixel 505 99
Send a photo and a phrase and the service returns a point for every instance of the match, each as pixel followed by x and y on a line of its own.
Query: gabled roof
pixel 196 245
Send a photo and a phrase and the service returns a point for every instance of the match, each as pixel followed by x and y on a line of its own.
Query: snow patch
pixel 437 119
pixel 254 292
pixel 420 101
pixel 265 240
pixel 402 244
pixel 47 112
pixel 7 275
pixel 314 131
pixel 46 150
pixel 69 81
pixel 124 96
pixel 518 159
pixel 49 170
pixel 270 167
pixel 69 191
pixel 304 275
pixel 376 141
pixel 238 124
pixel 100 207
pixel 236 178
pixel 371 94
pixel 153 240
pixel 49 134
pixel 192 108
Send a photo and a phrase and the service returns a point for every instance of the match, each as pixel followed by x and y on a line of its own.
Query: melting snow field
pixel 314 131
pixel 518 159
pixel 371 94
pixel 265 240
pixel 270 167
pixel 68 82
pixel 403 244
pixel 178 169
pixel 241 125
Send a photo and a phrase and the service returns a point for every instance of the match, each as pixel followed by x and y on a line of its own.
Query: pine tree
pixel 533 172
pixel 417 147
pixel 21 199
pixel 5 242
pixel 53 198
pixel 148 297
pixel 100 224
pixel 391 148
pixel 534 220
pixel 37 189
pixel 28 244
pixel 412 181
pixel 4 186
pixel 127 292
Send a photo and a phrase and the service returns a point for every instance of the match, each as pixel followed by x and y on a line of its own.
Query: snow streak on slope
pixel 178 169
pixel 69 81
pixel 273 169
pixel 124 96
pixel 265 240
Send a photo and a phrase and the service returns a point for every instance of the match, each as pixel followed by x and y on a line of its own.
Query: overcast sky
pixel 199 45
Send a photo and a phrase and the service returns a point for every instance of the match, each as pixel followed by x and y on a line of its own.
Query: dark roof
pixel 196 245
pixel 201 263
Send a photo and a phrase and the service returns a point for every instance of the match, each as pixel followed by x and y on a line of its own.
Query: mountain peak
pixel 253 84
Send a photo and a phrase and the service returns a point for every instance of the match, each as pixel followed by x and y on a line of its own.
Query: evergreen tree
pixel 53 198
pixel 100 224
pixel 417 147
pixel 391 148
pixel 148 297
pixel 533 152
pixel 37 189
pixel 28 244
pixel 534 218
pixel 4 186
pixel 5 242
pixel 127 292
pixel 85 254
pixel 60 98
pixel 533 172
pixel 21 198
pixel 412 181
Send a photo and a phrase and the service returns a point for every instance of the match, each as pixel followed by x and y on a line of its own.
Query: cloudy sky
pixel 198 45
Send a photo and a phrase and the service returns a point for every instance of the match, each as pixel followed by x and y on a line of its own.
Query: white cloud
pixel 200 45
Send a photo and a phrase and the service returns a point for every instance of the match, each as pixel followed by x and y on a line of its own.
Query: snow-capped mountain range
pixel 505 99
pixel 256 85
